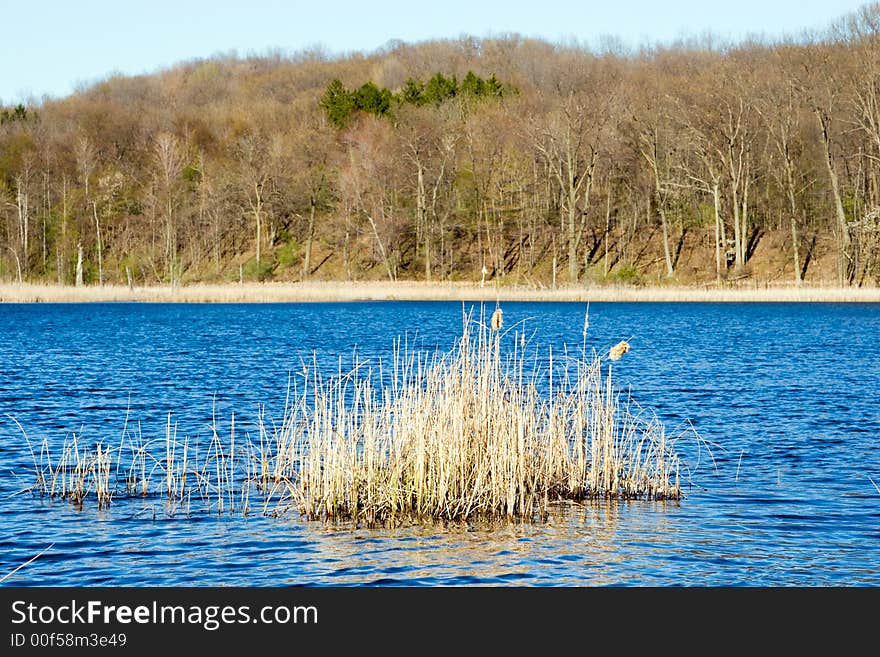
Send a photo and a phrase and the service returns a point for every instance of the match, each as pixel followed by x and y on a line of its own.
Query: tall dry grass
pixel 411 290
pixel 492 428
pixel 468 433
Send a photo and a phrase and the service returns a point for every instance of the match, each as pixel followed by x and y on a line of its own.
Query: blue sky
pixel 51 46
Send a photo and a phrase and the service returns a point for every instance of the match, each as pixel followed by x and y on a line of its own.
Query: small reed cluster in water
pixel 480 431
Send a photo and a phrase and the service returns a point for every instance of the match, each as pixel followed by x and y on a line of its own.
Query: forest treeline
pixel 505 158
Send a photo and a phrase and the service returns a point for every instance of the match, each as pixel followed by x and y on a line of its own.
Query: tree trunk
pixel 844 269
pixel 79 265
pixel 382 251
pixel 651 156
pixel 258 219
pixel 17 265
pixel 719 226
pixel 607 228
pixel 737 228
pixel 434 221
pixel 422 217
pixel 667 254
pixel 575 229
pixel 792 208
pixel 744 217
pixel 572 243
pixel 62 246
pixel 170 238
pixel 46 214
pixel 21 199
pixel 310 235
pixel 99 245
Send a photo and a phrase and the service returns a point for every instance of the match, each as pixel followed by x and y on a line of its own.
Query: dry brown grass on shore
pixel 482 431
pixel 320 291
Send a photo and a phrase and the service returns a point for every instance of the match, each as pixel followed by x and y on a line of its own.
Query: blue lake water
pixel 786 398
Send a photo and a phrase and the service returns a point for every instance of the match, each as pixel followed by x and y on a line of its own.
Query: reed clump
pixel 485 430
pixel 469 434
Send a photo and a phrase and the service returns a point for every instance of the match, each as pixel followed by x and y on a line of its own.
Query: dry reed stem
pixel 27 563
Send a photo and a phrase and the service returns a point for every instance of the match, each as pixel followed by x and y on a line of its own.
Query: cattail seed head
pixel 618 350
pixel 497 320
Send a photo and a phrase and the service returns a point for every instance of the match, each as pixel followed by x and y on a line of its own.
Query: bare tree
pixel 652 126
pixel 429 149
pixel 570 140
pixel 169 158
pixel 367 184
pixel 314 174
pixel 780 108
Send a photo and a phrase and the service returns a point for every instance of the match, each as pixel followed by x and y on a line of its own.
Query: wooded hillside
pixel 460 159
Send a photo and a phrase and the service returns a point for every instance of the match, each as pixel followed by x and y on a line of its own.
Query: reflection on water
pixel 784 396
pixel 579 543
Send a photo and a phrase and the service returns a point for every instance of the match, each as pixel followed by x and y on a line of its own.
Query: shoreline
pixel 330 291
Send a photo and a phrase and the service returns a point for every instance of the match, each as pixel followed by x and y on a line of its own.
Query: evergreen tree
pixel 440 88
pixel 413 92
pixel 338 103
pixel 473 85
pixel 492 87
pixel 370 98
pixel 18 113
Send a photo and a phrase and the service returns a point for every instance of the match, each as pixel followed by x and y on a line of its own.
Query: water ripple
pixel 784 396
